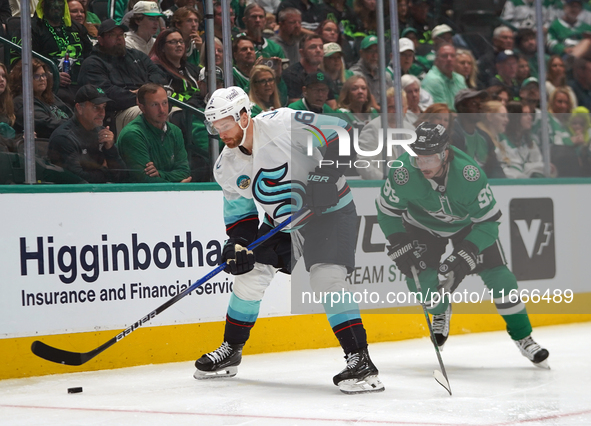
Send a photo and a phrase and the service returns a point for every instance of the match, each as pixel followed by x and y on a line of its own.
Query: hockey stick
pixel 61 356
pixel 440 376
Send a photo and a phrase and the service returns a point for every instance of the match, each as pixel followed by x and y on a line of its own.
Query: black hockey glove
pixel 405 253
pixel 457 265
pixel 239 259
pixel 321 190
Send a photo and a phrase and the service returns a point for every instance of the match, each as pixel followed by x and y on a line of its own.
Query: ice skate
pixel 223 362
pixel 360 375
pixel 441 327
pixel 534 352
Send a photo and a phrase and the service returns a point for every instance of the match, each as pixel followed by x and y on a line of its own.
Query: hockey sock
pixel 345 320
pixel 501 280
pixel 351 335
pixel 241 317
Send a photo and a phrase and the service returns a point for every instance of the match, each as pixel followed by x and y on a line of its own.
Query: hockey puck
pixel 74 390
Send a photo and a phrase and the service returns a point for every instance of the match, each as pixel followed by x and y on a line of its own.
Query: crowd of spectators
pixel 109 119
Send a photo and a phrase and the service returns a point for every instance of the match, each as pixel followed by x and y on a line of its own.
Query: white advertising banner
pixel 74 262
pixel 100 261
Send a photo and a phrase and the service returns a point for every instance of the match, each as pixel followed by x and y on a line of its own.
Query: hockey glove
pixel 239 259
pixel 457 265
pixel 405 253
pixel 321 190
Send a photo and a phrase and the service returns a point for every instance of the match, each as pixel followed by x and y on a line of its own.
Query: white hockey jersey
pixel 275 175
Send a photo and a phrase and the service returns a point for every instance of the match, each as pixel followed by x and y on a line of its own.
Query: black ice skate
pixel 360 375
pixel 223 362
pixel 441 327
pixel 534 352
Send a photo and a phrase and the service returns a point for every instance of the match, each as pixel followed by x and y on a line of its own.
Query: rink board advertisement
pixel 111 258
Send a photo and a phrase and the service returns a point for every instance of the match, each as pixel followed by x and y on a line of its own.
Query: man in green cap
pixel 368 67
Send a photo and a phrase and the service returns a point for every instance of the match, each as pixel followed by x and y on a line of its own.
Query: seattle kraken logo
pixel 269 189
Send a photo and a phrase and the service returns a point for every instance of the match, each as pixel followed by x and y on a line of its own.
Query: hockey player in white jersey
pixel 263 163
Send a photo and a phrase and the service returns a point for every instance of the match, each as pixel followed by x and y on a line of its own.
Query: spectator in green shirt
pixel 442 82
pixel 149 145
pixel 315 90
pixel 255 21
pixel 243 51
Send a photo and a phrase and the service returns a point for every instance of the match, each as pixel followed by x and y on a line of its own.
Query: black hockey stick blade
pixel 60 356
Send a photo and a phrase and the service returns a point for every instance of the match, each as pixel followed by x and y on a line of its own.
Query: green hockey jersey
pixel 464 200
pixel 562 35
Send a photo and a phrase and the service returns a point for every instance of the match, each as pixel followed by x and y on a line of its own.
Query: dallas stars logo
pixel 445 214
pixel 471 173
pixel 401 176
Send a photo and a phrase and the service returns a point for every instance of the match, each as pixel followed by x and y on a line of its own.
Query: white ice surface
pixel 492 385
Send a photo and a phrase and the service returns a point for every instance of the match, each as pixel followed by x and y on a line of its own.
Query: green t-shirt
pixel 301 105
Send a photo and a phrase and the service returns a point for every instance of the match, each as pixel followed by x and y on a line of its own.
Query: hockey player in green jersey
pixel 441 195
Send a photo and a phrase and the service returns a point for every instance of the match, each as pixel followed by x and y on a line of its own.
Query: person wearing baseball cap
pixel 506 65
pixel 315 90
pixel 82 145
pixel 120 72
pixel 442 32
pixel 368 65
pixel 468 137
pixel 334 67
pixel 144 24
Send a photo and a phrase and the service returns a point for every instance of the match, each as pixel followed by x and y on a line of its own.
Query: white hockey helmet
pixel 226 102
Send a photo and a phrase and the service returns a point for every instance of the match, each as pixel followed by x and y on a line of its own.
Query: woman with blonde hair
pixel 355 102
pixel 333 65
pixel 466 67
pixel 494 123
pixel 263 91
pixel 556 77
pixel 563 145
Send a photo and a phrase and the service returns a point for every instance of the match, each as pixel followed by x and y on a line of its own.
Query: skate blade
pixel 220 374
pixel 542 364
pixel 367 385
